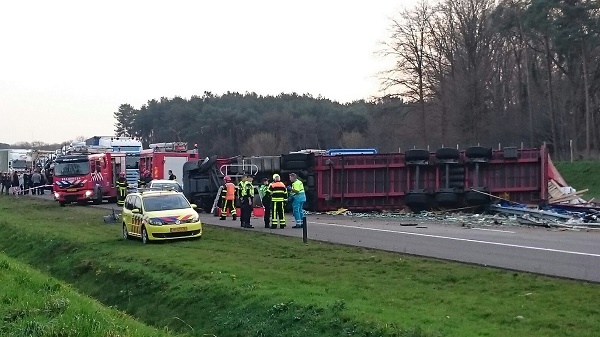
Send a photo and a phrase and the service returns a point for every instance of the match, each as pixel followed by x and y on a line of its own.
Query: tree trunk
pixel 586 92
pixel 551 97
pixel 528 83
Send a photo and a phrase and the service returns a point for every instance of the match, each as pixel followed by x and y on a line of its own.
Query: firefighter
pixel 228 199
pixel 247 195
pixel 279 196
pixel 122 189
pixel 142 183
pixel 298 199
pixel 265 199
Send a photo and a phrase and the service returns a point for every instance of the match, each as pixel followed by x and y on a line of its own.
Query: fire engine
pixel 128 145
pixel 162 157
pixel 87 173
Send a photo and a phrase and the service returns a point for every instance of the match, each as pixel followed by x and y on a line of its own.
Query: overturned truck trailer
pixel 416 178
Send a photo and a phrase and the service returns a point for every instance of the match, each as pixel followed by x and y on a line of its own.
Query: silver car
pixel 163 184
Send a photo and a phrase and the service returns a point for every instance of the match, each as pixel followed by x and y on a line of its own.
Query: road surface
pixel 567 254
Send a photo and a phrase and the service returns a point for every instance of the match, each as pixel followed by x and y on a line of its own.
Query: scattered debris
pixel 111 218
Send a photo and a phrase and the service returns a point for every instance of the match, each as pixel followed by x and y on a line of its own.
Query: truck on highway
pixel 87 173
pixel 15 160
pixel 131 147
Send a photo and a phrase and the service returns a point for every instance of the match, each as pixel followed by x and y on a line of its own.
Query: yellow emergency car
pixel 159 215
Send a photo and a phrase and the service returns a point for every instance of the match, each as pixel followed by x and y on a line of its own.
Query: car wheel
pixel 145 238
pixel 125 233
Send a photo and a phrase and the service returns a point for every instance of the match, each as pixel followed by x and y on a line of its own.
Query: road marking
pixel 494 230
pixel 457 239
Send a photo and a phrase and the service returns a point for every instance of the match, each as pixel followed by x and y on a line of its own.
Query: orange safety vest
pixel 230 194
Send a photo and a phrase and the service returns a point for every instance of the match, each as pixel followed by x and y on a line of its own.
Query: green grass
pixel 582 175
pixel 240 283
pixel 33 304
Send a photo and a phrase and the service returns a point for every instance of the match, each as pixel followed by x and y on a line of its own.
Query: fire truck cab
pixel 162 157
pixel 87 173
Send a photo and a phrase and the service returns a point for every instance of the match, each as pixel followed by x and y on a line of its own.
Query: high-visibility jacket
pixel 278 191
pixel 247 190
pixel 263 191
pixel 229 191
pixel 298 187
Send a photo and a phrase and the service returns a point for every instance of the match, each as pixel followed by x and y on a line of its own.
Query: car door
pixel 136 221
pixel 126 212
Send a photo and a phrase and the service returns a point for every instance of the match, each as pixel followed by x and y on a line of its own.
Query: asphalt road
pixel 567 254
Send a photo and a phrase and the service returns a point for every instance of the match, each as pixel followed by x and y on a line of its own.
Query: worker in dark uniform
pixel 247 201
pixel 228 195
pixel 142 180
pixel 279 196
pixel 265 199
pixel 121 189
pixel 240 188
pixel 172 176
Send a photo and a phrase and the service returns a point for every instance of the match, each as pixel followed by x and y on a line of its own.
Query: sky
pixel 66 66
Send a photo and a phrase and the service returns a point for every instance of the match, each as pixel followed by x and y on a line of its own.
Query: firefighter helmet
pixel 276 176
pixel 227 178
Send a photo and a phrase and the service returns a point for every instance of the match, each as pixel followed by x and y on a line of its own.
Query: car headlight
pixel 195 219
pixel 155 222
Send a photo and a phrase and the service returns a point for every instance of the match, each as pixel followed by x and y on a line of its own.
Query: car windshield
pixel 165 202
pixel 167 186
pixel 71 168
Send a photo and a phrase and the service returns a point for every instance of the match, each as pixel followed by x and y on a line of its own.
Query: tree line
pixel 466 72
pixel 501 70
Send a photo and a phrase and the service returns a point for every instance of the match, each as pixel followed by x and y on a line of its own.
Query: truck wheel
pixel 416 155
pixel 112 200
pixel 447 153
pixel 62 203
pixel 446 198
pixel 478 152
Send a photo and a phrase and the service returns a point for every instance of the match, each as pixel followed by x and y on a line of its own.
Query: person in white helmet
pixel 279 196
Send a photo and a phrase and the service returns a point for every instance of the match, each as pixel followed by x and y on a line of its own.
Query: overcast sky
pixel 65 66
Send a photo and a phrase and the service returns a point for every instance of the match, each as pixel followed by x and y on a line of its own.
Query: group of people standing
pixel 274 197
pixel 22 183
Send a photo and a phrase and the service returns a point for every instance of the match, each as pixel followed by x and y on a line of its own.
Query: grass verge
pixel 582 175
pixel 234 283
pixel 33 304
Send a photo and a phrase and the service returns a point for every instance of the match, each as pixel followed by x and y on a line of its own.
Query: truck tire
pixel 285 158
pixel 416 201
pixel 475 198
pixel 294 165
pixel 98 196
pixel 478 152
pixel 447 153
pixel 446 198
pixel 416 155
pixel 62 203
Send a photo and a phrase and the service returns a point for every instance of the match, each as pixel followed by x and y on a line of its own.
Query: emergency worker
pixel 142 180
pixel 247 195
pixel 122 186
pixel 228 199
pixel 279 196
pixel 298 199
pixel 240 187
pixel 265 199
pixel 172 176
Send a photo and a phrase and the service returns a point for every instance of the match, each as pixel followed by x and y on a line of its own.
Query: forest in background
pixel 467 72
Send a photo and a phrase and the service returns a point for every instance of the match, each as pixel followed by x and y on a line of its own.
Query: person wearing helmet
pixel 228 199
pixel 142 180
pixel 122 186
pixel 279 195
pixel 240 187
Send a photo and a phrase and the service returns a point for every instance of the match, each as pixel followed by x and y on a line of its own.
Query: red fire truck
pixel 162 157
pixel 87 174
